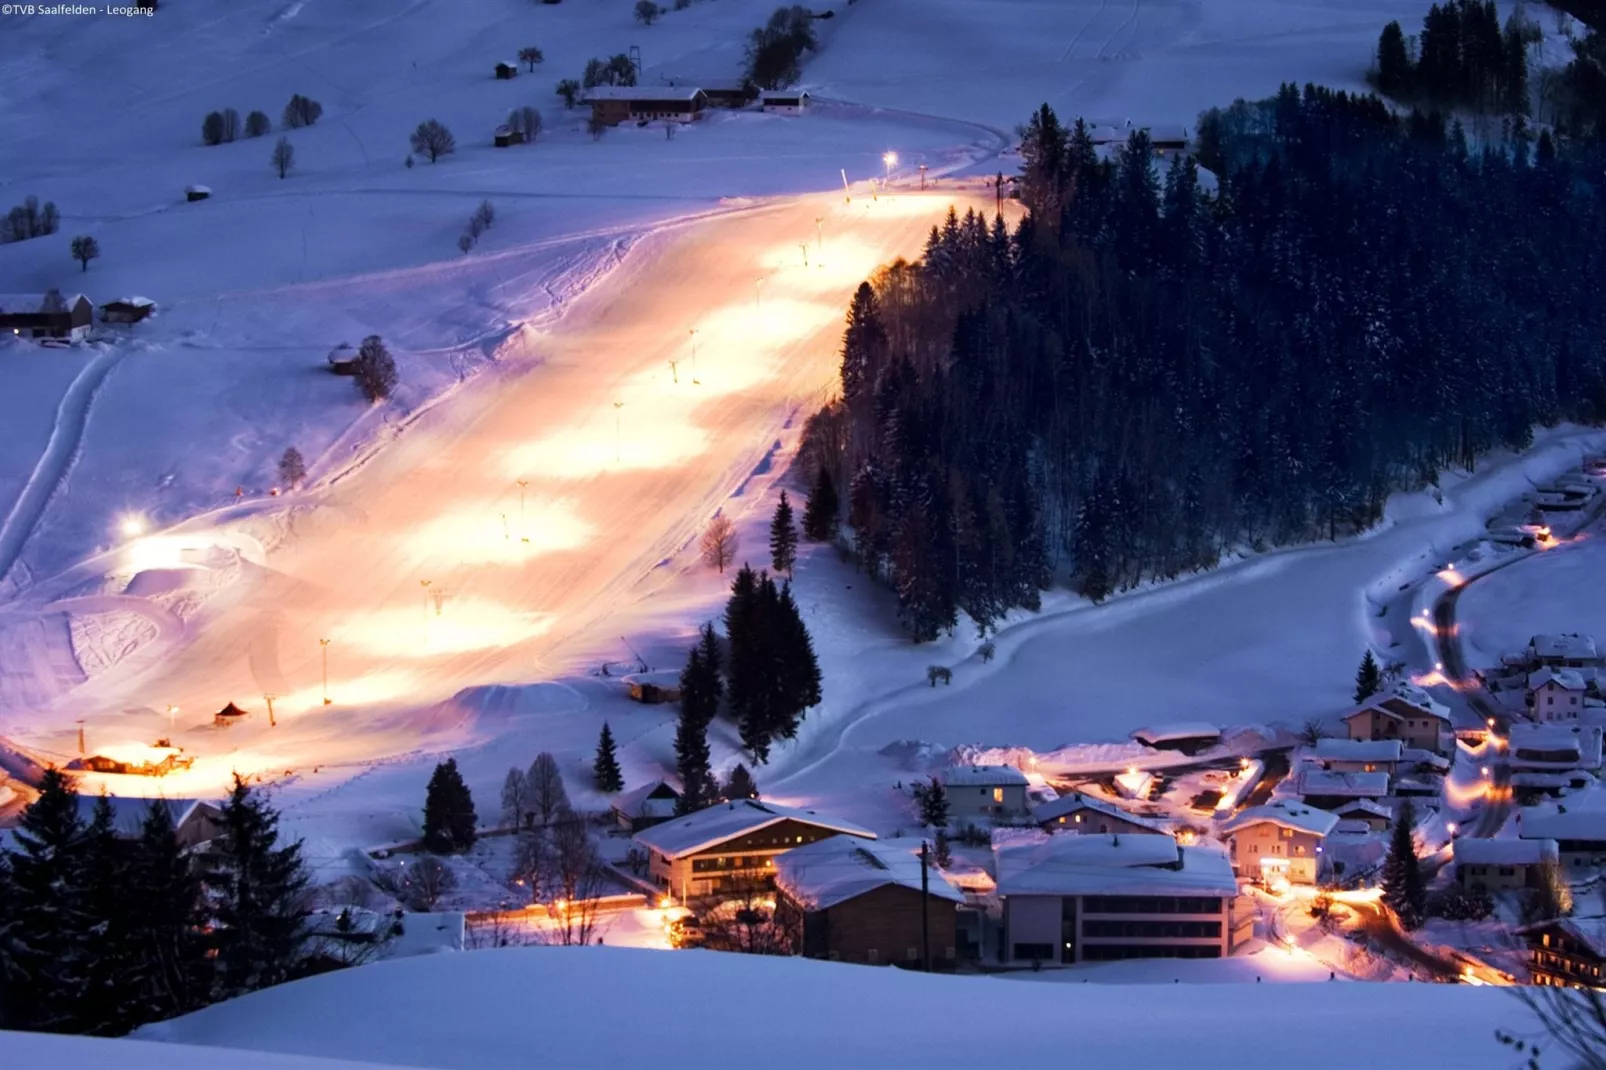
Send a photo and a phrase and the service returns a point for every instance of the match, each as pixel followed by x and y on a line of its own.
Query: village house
pixel 1563 650
pixel 1359 755
pixel 784 101
pixel 856 900
pixel 646 806
pixel 1375 816
pixel 1279 841
pixel 729 94
pixel 1326 790
pixel 505 70
pixel 1085 814
pixel 1580 835
pixel 1483 865
pixel 731 844
pixel 46 315
pixel 195 823
pixel 1556 696
pixel 984 791
pixel 1190 737
pixel 1568 952
pixel 1405 713
pixel 135 759
pixel 613 104
pixel 1096 898
pixel 127 310
pixel 1554 747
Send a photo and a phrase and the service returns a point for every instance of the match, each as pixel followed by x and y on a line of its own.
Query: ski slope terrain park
pixel 149 557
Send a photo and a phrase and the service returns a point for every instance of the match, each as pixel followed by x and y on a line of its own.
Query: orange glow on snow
pixel 486 539
pixel 460 626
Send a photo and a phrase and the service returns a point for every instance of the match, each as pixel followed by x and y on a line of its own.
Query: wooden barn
pixel 126 310
pixel 507 70
pixel 47 315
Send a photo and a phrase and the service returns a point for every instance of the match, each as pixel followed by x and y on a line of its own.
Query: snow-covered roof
pixel 1066 805
pixel 982 776
pixel 1402 700
pixel 134 302
pixel 783 94
pixel 1478 852
pixel 1115 864
pixel 1164 733
pixel 1363 806
pixel 1287 814
pixel 1546 824
pixel 34 302
pixel 827 872
pixel 1563 645
pixel 136 753
pixel 1589 929
pixel 716 824
pixel 1566 679
pixel 1352 827
pixel 1354 785
pixel 684 94
pixel 1359 750
pixel 197 188
pixel 1576 746
pixel 637 802
pixel 128 814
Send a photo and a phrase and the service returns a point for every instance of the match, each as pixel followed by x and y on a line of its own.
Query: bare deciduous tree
pixel 746 920
pixel 719 542
pixel 530 55
pixel 85 249
pixel 515 798
pixel 426 882
pixel 284 156
pixel 548 800
pixel 301 111
pixel 570 879
pixel 465 242
pixel 647 12
pixel 257 124
pixel 292 468
pixel 569 90
pixel 485 214
pixel 376 369
pixel 231 124
pixel 433 140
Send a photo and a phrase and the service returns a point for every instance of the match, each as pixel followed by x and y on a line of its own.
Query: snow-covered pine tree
pixel 606 767
pixel 1404 890
pixel 449 817
pixel 111 995
pixel 1368 678
pixel 258 893
pixel 783 538
pixel 740 784
pixel 46 960
pixel 691 751
pixel 169 921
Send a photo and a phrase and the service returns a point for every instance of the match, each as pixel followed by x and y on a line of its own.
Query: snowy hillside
pixel 595 1007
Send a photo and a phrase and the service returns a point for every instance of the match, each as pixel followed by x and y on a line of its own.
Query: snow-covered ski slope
pixel 527 349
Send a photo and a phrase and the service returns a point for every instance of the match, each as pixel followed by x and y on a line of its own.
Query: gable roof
pixel 654 799
pixel 1181 730
pixel 982 776
pixel 1354 785
pixel 34 304
pixel 1579 745
pixel 1126 863
pixel 1070 804
pixel 1534 823
pixel 827 872
pixel 684 94
pixel 1363 806
pixel 1566 679
pixel 1478 852
pixel 1564 645
pixel 1359 750
pixel 1287 814
pixel 725 821
pixel 784 94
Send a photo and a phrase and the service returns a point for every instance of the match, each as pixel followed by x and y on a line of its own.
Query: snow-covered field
pixel 167 419
pixel 605 1007
pixel 1554 592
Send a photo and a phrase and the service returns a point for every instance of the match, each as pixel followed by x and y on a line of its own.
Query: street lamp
pixel 325 644
pixel 694 380
pixel 524 484
pixel 819 235
pixel 425 585
pixel 506 536
pixel 889 158
pixel 758 289
pixel 269 700
pixel 616 429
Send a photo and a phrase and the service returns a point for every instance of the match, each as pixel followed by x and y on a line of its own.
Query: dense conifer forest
pixel 1148 370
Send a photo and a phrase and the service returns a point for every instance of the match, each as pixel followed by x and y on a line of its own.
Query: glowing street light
pixel 819 234
pixel 890 159
pixel 325 644
pixel 132 526
pixel 617 432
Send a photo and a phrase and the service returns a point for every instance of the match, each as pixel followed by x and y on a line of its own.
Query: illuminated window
pixel 1078 819
pixel 998 795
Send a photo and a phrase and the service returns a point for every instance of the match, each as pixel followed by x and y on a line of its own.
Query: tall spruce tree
pixel 169 921
pixel 1393 62
pixel 799 668
pixel 1368 678
pixel 713 665
pixel 1404 890
pixel 740 784
pixel 783 537
pixel 50 948
pixel 606 767
pixel 449 817
pixel 821 509
pixel 111 997
pixel 864 350
pixel 744 674
pixel 692 763
pixel 258 891
pixel 698 699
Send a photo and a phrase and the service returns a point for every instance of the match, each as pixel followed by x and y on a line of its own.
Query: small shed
pixel 127 310
pixel 646 806
pixel 506 135
pixel 343 359
pixel 654 688
pixel 506 70
pixel 197 193
pixel 228 715
pixel 784 101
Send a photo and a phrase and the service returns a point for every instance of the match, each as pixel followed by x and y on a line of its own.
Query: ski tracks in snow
pixel 61 451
